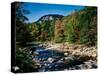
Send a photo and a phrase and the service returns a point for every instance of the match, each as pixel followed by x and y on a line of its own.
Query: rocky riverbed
pixel 64 57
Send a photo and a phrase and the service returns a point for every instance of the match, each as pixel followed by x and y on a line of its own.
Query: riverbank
pixel 73 49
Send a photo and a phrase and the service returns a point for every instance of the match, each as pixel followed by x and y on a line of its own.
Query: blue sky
pixel 38 10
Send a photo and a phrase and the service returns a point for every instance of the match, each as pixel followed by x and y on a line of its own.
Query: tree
pixel 24 61
pixel 22 32
pixel 23 58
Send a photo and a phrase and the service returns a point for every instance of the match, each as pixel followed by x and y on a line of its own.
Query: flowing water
pixel 52 60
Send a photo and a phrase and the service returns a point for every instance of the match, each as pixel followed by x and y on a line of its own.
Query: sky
pixel 38 10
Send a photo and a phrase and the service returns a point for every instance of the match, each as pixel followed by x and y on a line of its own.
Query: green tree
pixel 23 58
pixel 22 32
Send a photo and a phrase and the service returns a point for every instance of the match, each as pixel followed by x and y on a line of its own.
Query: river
pixel 52 60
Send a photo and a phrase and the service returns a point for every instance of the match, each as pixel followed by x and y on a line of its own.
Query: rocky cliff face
pixel 50 17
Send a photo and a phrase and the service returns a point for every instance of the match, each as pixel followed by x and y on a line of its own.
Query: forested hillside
pixel 78 27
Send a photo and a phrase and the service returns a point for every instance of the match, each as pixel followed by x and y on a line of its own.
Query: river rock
pixel 60 61
pixel 81 66
pixel 88 65
pixel 50 59
pixel 36 53
pixel 84 58
pixel 94 55
pixel 66 54
pixel 68 60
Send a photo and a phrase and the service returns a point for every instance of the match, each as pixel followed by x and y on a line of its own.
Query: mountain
pixel 50 17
